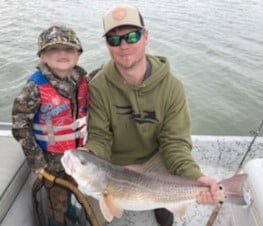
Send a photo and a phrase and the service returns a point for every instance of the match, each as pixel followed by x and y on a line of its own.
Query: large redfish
pixel 119 188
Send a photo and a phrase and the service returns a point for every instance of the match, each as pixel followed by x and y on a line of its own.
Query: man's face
pixel 128 55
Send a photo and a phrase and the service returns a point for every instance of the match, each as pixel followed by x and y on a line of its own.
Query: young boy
pixel 49 114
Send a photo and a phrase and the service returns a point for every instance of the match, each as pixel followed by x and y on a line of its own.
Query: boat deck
pixel 14 183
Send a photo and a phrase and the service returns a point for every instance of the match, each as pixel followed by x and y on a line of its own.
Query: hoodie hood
pixel 160 70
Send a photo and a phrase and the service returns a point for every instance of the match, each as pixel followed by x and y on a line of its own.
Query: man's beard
pixel 129 64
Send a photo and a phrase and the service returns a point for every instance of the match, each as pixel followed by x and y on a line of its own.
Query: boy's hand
pixel 39 172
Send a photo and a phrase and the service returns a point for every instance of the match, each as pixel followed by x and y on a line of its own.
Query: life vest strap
pixel 65 137
pixel 78 123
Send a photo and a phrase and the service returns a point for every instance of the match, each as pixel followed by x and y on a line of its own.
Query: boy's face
pixel 60 58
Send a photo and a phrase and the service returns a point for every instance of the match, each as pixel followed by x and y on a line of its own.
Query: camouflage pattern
pixel 58 35
pixel 25 106
pixel 57 204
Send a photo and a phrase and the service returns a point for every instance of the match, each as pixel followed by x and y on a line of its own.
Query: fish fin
pixel 105 210
pixel 112 206
pixel 135 167
pixel 179 211
pixel 230 190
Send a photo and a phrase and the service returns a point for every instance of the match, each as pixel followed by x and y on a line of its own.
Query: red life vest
pixel 54 127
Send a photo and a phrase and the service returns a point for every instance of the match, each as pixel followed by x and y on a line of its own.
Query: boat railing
pixel 5 129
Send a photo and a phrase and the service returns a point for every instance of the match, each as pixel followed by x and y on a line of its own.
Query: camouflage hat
pixel 58 35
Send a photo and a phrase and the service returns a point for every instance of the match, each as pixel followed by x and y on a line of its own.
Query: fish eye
pixel 220 187
pixel 83 161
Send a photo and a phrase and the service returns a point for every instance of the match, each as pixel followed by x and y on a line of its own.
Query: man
pixel 138 107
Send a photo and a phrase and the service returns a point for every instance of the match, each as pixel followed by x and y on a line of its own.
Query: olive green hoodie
pixel 128 125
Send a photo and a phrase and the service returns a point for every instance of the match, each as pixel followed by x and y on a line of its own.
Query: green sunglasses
pixel 131 37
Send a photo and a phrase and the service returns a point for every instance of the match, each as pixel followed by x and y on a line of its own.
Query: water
pixel 215 47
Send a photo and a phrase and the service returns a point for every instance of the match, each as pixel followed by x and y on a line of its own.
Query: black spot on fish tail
pixel 233 189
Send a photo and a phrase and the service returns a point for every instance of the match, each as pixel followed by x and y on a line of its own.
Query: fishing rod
pixel 218 207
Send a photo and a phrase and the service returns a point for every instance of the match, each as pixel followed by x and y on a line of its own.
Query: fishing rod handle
pixel 214 214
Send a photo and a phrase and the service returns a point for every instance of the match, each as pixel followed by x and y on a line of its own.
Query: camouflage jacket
pixel 25 106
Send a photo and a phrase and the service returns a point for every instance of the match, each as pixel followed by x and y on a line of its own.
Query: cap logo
pixel 119 14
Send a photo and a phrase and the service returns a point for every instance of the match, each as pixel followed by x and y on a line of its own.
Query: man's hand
pixel 208 197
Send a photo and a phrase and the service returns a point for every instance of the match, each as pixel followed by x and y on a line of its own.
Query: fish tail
pixel 232 189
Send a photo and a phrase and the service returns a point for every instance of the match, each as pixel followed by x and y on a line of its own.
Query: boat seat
pixel 13 169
